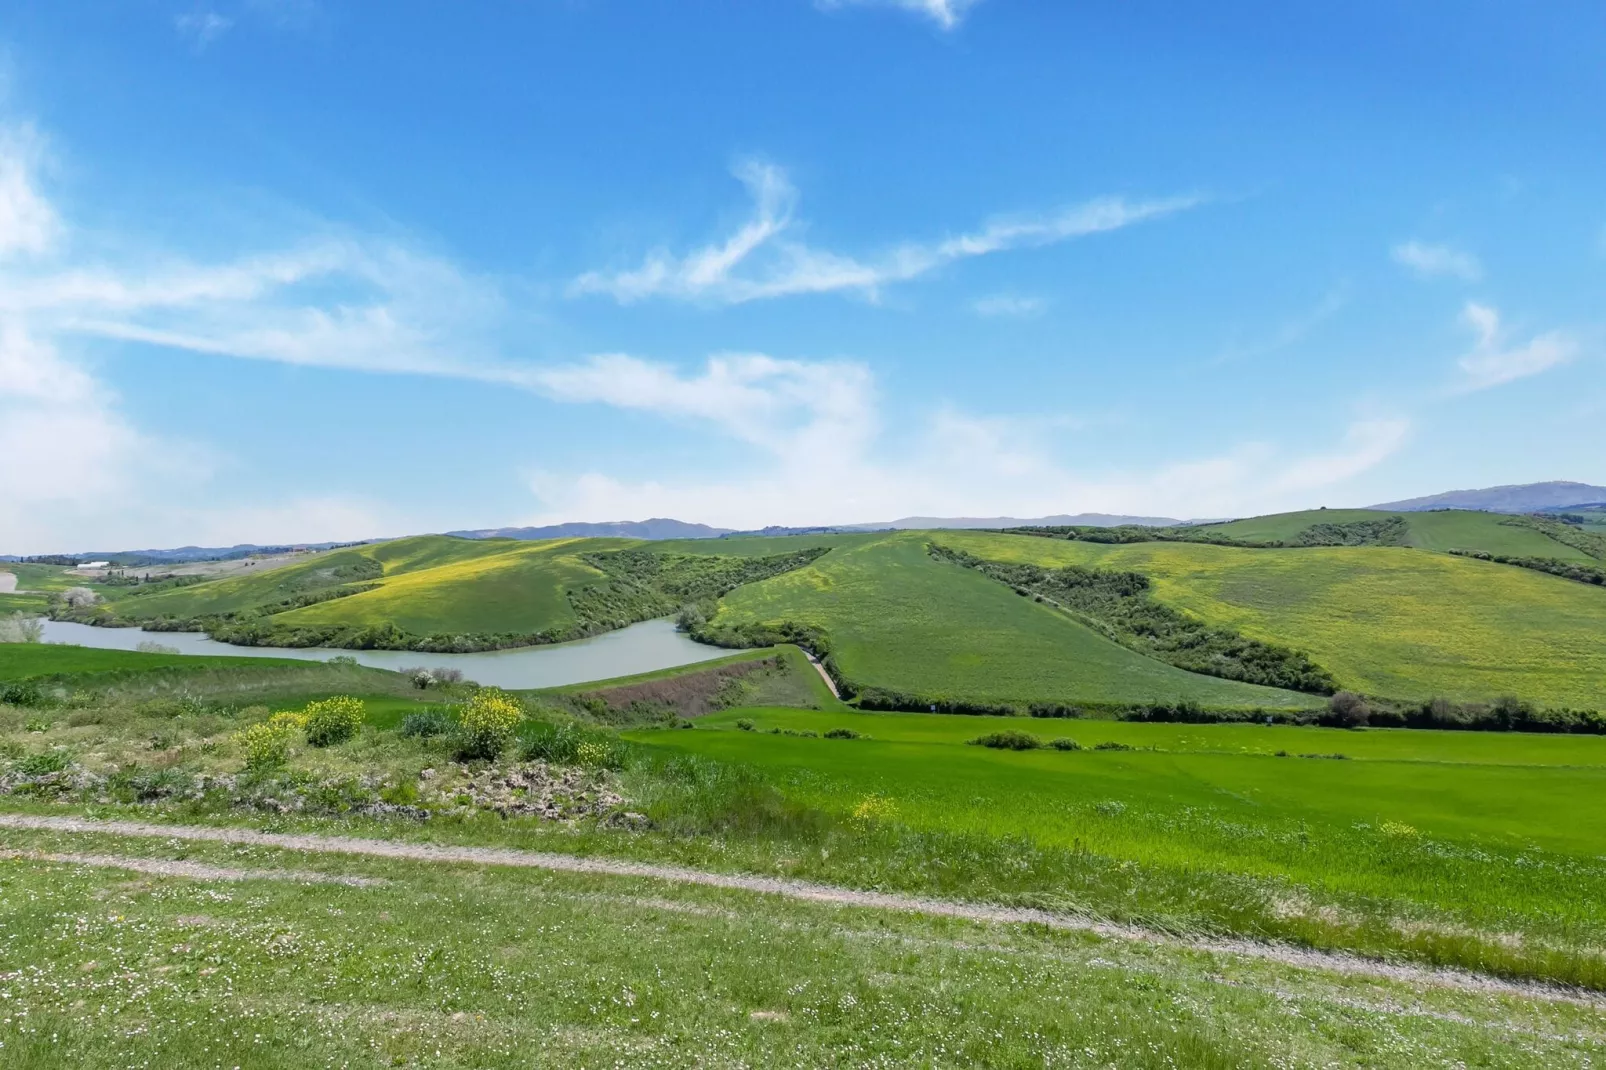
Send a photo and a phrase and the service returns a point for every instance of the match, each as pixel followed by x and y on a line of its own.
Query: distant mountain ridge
pixel 1090 520
pixel 655 528
pixel 1513 498
pixel 182 555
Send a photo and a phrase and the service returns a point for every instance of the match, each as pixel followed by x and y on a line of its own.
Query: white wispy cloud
pixel 764 257
pixel 28 222
pixel 202 27
pixel 1009 305
pixel 821 454
pixel 1436 261
pixel 1495 360
pixel 947 14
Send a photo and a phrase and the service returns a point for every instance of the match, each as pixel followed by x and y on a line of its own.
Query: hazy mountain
pixel 656 528
pixel 1094 520
pixel 185 554
pixel 1517 498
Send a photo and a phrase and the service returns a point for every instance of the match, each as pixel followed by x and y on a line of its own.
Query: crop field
pixel 900 620
pixel 1384 620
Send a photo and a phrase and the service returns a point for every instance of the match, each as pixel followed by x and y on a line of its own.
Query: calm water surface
pixel 644 647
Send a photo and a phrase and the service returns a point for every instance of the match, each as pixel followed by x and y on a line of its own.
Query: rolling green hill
pixel 436 592
pixel 901 621
pixel 1447 529
pixel 1399 622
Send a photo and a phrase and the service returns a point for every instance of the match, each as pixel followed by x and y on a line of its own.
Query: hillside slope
pixel 901 621
pixel 436 592
pixel 1390 621
pixel 1458 529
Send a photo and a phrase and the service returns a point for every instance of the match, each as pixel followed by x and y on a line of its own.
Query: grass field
pixel 1448 529
pixel 471 966
pixel 1390 621
pixel 1411 840
pixel 35 584
pixel 900 620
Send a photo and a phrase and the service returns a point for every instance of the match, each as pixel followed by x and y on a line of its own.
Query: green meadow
pixel 1429 843
pixel 1384 620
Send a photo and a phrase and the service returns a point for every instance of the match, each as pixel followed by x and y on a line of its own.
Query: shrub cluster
pixel 1571 570
pixel 486 724
pixel 333 720
pixel 267 743
pixel 427 724
pixel 1009 739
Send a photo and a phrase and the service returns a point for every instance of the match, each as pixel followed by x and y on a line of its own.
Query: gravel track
pixel 165 867
pixel 808 891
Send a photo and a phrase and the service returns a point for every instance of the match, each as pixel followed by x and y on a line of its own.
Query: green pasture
pixel 1446 529
pixel 900 620
pixel 24 661
pixel 1388 621
pixel 1493 832
pixel 35 584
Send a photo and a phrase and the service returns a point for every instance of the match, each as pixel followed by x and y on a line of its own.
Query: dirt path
pixel 8 583
pixel 164 867
pixel 807 891
pixel 814 661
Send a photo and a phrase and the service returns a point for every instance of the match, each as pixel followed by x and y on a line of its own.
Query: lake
pixel 644 647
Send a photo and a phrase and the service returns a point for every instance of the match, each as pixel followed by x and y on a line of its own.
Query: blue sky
pixel 314 269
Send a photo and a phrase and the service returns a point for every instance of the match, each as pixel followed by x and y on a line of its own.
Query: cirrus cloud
pixel 764 258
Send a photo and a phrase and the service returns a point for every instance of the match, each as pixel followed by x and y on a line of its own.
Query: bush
pixel 447 676
pixel 151 646
pixel 1347 710
pixel 745 725
pixel 21 693
pixel 841 733
pixel 1064 744
pixel 267 743
pixel 1110 744
pixel 1009 739
pixel 570 743
pixel 486 724
pixel 333 720
pixel 555 743
pixel 426 724
pixel 19 628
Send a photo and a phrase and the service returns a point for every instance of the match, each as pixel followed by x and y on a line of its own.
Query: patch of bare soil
pixel 689 694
